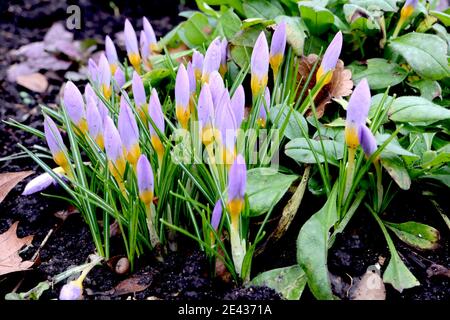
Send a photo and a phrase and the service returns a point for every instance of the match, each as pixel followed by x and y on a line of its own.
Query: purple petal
pixel 237 179
pixel 191 76
pixel 143 44
pixel 104 71
pixel 265 105
pixel 205 107
pixel 367 140
pixel 94 72
pixel 238 105
pixel 278 44
pixel 155 112
pixel 260 57
pixel 39 183
pixel 359 104
pixel 113 142
pixel 226 121
pixel 197 61
pixel 216 86
pixel 53 136
pixel 119 78
pixel 216 215
pixel 149 32
pixel 223 51
pixel 73 102
pixel 94 119
pixel 111 52
pixel 212 59
pixel 71 291
pixel 144 175
pixel 182 88
pixel 131 43
pixel 138 90
pixel 332 53
pixel 127 125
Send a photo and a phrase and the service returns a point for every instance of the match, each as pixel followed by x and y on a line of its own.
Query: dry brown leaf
pixel 370 287
pixel 9 180
pixel 36 82
pixel 134 284
pixel 10 261
pixel 341 83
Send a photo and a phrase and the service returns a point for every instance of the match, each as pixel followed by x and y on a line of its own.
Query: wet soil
pixel 183 274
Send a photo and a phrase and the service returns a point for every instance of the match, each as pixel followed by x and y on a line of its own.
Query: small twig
pixel 42 244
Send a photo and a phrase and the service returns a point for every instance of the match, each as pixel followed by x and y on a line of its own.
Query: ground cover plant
pixel 217 131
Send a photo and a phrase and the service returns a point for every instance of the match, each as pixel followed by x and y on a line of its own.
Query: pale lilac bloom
pixel 131 43
pixel 71 291
pixel 113 142
pixel 145 178
pixel 128 128
pixel 93 71
pixel 216 215
pixel 259 64
pixel 156 113
pixel 212 59
pixel 73 102
pixel 223 55
pixel 197 63
pixel 41 182
pixel 119 78
pixel 216 86
pixel 265 104
pixel 111 53
pixel 105 76
pixel 238 105
pixel 278 44
pixel 205 107
pixel 94 120
pixel 226 122
pixel 143 44
pixel 367 141
pixel 192 80
pixel 149 34
pixel 357 111
pixel 330 58
pixel 237 179
pixel 138 90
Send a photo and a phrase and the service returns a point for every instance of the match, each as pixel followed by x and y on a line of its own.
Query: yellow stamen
pixel 62 161
pixel 183 115
pixel 146 197
pixel 107 91
pixel 258 84
pixel 133 154
pixel 235 207
pixel 135 61
pixel 351 137
pixel 275 62
pixel 320 73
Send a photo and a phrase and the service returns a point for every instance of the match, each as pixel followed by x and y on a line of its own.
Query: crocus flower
pixel 216 215
pixel 192 80
pixel 111 54
pixel 90 94
pixel 212 59
pixel 131 45
pixel 225 122
pixel 197 64
pixel 223 56
pixel 105 76
pixel 41 182
pixel 143 44
pixel 119 78
pixel 157 116
pixel 262 119
pixel 145 178
pixel 237 180
pixel 277 47
pixel 55 144
pixel 94 122
pixel 238 105
pixel 74 104
pixel 408 9
pixel 93 71
pixel 357 111
pixel 71 291
pixel 182 96
pixel 330 59
pixel 367 140
pixel 259 65
pixel 114 149
pixel 129 132
pixel 205 107
pixel 139 96
pixel 216 86
pixel 150 35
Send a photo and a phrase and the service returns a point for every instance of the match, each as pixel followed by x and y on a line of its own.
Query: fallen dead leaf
pixel 36 82
pixel 369 287
pixel 341 83
pixel 10 261
pixel 64 214
pixel 133 284
pixel 9 180
pixel 438 270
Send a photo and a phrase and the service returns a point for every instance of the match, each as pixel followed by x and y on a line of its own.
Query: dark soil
pixel 184 274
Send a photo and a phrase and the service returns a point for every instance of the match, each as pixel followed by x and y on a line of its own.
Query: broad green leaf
pixel 194 31
pixel 425 53
pixel 241 55
pixel 265 187
pixel 361 19
pixel 393 146
pixel 375 104
pixel 441 175
pixel 395 166
pixel 229 23
pixel 377 5
pixel 429 89
pixel 299 150
pixel 262 9
pixel 317 19
pixel 442 16
pixel 398 275
pixel 288 281
pixel 250 22
pixel 435 159
pixel 312 248
pixel 248 36
pixel 236 4
pixel 155 76
pixel 380 73
pixel 418 235
pixel 296 32
pixel 293 129
pixel 417 110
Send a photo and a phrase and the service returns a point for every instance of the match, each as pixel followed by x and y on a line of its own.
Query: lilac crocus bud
pixel 150 35
pixel 41 182
pixel 277 47
pixel 238 105
pixel 111 54
pixel 119 78
pixel 259 65
pixel 330 58
pixel 90 94
pixel 129 132
pixel 145 180
pixel 74 104
pixel 94 122
pixel 139 96
pixel 212 59
pixel 105 76
pixel 94 72
pixel 197 64
pixel 216 215
pixel 237 181
pixel 223 57
pixel 226 124
pixel 205 107
pixel 357 111
pixel 265 104
pixel 182 96
pixel 192 80
pixel 55 144
pixel 144 46
pixel 131 45
pixel 114 149
pixel 367 141
pixel 157 116
pixel 71 291
pixel 216 86
pixel 408 9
